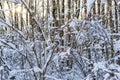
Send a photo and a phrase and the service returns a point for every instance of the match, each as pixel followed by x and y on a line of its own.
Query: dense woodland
pixel 59 40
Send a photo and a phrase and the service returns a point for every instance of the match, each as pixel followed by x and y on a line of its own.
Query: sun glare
pixel 14 9
pixel 17 9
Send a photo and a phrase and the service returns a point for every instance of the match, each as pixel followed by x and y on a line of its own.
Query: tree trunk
pixel 116 17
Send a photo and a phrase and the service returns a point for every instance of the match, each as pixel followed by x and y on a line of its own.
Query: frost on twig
pixel 1 68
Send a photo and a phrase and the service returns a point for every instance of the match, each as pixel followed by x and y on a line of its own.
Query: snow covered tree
pixel 59 39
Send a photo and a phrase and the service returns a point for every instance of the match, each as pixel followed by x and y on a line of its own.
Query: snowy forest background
pixel 59 40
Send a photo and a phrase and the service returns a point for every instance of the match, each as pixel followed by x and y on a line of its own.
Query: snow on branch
pixel 35 69
pixel 15 71
pixel 12 46
pixel 13 1
pixel 89 5
pixel 1 68
pixel 5 64
pixel 35 19
pixel 11 26
pixel 52 77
